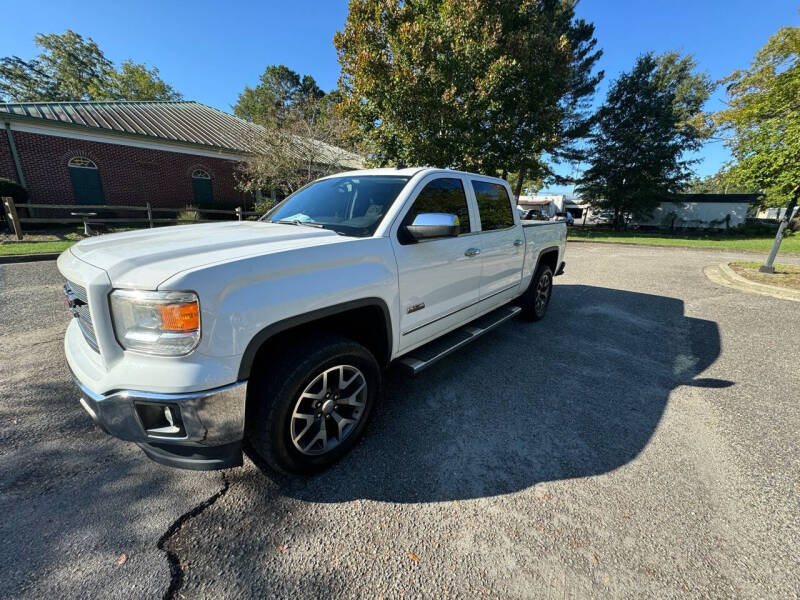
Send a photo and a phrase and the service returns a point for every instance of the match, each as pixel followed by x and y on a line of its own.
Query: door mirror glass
pixel 427 226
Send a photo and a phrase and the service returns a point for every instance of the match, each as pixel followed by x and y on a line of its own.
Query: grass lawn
pixel 7 248
pixel 785 275
pixel 791 244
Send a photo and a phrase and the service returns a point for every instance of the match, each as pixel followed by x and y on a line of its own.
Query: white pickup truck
pixel 193 341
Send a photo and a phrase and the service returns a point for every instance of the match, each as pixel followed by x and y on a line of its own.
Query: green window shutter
pixel 201 189
pixel 86 185
pixel 203 196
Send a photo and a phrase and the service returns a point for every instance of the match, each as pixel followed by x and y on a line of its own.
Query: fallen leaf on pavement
pixel 413 557
pixel 122 558
pixel 283 548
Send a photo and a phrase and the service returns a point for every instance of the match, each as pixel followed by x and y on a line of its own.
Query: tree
pixel 71 68
pixel 649 120
pixel 763 118
pixel 280 93
pixel 301 148
pixel 724 181
pixel 134 81
pixel 483 86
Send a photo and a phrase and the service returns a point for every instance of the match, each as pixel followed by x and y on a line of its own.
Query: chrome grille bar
pixel 82 311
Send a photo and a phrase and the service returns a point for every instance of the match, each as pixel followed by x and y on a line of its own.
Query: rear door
pixel 501 241
pixel 439 279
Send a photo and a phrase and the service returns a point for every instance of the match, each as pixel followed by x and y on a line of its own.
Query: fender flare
pixel 544 251
pixel 269 331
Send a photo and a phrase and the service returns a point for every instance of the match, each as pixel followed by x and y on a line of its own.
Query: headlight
pixel 163 323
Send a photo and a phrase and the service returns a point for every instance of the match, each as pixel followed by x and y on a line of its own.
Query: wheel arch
pixel 549 257
pixel 366 321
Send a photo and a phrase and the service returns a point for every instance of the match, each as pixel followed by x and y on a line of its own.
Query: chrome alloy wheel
pixel 328 410
pixel 543 287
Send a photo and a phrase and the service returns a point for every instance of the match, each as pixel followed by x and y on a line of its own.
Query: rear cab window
pixel 494 205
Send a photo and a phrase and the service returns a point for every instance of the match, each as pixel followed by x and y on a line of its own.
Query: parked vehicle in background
pixel 565 216
pixel 603 217
pixel 535 214
pixel 189 340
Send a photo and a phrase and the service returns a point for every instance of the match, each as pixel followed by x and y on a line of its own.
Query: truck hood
pixel 145 258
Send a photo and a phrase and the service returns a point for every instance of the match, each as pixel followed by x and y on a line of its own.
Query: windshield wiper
pixel 298 222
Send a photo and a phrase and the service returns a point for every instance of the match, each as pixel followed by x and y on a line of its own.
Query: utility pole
pixel 768 267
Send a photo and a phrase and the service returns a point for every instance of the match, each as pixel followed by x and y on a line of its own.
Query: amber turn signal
pixel 179 317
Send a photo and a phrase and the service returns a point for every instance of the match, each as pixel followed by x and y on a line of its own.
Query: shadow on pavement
pixel 577 394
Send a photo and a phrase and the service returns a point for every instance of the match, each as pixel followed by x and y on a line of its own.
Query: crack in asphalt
pixel 175 568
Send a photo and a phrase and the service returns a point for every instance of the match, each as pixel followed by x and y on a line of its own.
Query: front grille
pixel 84 314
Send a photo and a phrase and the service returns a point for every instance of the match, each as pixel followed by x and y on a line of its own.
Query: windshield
pixel 351 205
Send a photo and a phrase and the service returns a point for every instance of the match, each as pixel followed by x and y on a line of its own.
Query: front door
pixel 438 278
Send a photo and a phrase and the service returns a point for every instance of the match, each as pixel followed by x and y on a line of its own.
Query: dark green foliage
pixel 641 134
pixel 71 68
pixel 280 94
pixel 481 86
pixel 14 190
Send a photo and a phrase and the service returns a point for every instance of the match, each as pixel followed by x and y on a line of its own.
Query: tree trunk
pixel 616 219
pixel 518 187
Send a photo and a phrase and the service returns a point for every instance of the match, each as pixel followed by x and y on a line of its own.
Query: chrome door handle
pixel 472 252
pixel 518 243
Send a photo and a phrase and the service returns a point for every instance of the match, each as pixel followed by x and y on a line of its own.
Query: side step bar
pixel 426 355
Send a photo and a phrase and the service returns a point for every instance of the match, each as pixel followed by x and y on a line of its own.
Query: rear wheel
pixel 313 404
pixel 535 300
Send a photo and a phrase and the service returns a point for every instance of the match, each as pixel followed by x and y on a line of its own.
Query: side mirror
pixel 427 226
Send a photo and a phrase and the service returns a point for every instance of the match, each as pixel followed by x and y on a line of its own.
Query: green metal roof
pixel 184 122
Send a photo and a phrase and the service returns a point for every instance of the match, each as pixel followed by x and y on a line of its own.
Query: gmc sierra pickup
pixel 194 340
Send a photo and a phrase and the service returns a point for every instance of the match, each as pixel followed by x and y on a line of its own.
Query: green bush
pixel 190 214
pixel 14 190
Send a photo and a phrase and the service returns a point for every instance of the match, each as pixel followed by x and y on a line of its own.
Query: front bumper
pixel 209 425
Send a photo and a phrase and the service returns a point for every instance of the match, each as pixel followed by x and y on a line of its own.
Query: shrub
pixel 190 214
pixel 13 189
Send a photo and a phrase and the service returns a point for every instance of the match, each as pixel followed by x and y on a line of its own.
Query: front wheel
pixel 535 300
pixel 312 405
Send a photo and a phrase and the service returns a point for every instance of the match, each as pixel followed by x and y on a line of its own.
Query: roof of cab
pixel 411 172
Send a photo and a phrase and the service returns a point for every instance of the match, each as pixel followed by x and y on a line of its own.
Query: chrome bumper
pixel 209 420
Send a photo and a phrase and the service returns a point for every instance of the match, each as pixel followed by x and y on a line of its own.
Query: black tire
pixel 531 309
pixel 276 393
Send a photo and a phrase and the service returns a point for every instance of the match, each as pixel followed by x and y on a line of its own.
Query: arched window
pixel 201 188
pixel 85 180
pixel 81 162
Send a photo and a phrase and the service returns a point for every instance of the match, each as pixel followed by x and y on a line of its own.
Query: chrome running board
pixel 424 356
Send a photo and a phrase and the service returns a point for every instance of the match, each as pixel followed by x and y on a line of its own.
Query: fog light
pixel 161 420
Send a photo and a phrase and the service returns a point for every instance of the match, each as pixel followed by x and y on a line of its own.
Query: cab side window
pixel 494 205
pixel 444 195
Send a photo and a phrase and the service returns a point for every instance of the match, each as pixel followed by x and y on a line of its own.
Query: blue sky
pixel 210 51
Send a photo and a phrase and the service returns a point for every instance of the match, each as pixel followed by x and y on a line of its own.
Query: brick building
pixel 171 154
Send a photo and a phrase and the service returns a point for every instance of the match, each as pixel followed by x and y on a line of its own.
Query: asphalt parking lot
pixel 640 441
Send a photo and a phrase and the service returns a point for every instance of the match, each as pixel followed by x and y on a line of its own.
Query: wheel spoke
pixel 309 419
pixel 352 399
pixel 322 435
pixel 344 384
pixel 341 421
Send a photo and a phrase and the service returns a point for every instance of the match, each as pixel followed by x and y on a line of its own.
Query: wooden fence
pixel 90 214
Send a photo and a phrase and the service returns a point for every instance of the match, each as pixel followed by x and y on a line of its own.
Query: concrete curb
pixel 23 258
pixel 724 275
